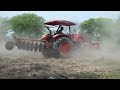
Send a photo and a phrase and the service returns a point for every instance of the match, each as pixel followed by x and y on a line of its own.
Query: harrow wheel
pixel 28 46
pixel 36 47
pixel 31 46
pixel 40 47
pixel 9 45
pixel 19 45
pixel 23 45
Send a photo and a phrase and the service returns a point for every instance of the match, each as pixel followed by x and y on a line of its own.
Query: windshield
pixel 73 29
pixel 52 28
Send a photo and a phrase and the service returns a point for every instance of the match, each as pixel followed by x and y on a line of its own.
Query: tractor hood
pixel 44 37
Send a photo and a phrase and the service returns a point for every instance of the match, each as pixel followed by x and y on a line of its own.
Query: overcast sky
pixel 77 16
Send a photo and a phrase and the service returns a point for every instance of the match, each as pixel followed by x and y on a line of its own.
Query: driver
pixel 60 31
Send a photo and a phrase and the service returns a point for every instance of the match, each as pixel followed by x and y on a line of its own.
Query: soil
pixel 17 64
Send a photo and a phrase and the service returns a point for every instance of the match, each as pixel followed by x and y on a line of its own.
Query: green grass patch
pixel 110 75
pixel 97 75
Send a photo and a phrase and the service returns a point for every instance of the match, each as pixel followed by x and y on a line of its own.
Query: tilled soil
pixel 17 64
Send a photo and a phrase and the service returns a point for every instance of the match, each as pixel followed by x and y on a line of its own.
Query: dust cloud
pixel 109 46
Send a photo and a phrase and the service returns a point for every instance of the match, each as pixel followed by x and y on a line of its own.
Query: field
pixel 102 64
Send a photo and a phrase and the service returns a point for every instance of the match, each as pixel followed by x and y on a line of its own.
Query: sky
pixel 76 16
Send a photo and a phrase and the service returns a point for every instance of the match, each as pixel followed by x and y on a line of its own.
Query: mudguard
pixel 58 35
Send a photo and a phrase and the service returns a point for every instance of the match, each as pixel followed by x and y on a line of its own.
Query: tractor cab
pixel 59 25
pixel 63 27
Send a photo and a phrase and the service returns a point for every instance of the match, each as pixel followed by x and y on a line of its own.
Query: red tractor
pixel 54 45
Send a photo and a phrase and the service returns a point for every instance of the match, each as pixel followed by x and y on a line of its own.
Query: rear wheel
pixel 62 47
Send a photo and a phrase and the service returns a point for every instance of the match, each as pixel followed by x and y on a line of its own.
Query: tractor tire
pixel 28 46
pixel 62 47
pixel 31 46
pixel 9 45
pixel 23 45
pixel 36 47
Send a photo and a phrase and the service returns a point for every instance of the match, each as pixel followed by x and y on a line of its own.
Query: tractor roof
pixel 60 22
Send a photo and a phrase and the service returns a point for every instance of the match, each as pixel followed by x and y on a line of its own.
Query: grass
pixel 97 75
pixel 110 75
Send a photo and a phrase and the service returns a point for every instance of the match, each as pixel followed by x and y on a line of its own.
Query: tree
pixel 116 33
pixel 4 27
pixel 27 24
pixel 97 27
